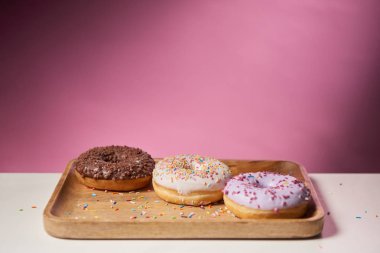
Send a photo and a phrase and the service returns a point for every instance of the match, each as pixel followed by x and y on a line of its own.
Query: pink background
pixel 294 80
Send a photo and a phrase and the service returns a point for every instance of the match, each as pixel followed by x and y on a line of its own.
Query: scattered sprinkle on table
pixel 34 206
pixel 358 217
pixel 93 194
pixel 21 209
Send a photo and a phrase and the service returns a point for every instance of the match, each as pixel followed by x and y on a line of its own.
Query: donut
pixel 190 179
pixel 266 195
pixel 116 168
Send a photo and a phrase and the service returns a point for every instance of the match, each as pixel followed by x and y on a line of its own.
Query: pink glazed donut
pixel 266 195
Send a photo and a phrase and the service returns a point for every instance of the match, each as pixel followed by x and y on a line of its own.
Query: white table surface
pixel 345 196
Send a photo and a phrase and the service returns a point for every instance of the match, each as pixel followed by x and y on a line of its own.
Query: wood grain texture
pixel 141 214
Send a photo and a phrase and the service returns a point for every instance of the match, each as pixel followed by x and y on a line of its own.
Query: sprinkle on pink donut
pixel 266 191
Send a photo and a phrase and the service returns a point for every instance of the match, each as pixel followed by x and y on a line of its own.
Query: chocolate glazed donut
pixel 116 168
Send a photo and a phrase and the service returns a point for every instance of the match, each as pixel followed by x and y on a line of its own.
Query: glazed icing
pixel 189 173
pixel 266 191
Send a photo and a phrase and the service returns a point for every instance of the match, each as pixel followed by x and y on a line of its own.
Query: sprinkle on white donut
pixel 189 173
pixel 266 191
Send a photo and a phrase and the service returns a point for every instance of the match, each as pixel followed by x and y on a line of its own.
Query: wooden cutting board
pixel 77 212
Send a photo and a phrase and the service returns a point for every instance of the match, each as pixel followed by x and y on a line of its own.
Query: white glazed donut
pixel 190 179
pixel 266 195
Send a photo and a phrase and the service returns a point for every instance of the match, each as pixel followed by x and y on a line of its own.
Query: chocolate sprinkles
pixel 114 163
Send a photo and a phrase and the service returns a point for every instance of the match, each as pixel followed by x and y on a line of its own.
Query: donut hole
pixel 111 158
pixel 182 164
pixel 264 183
